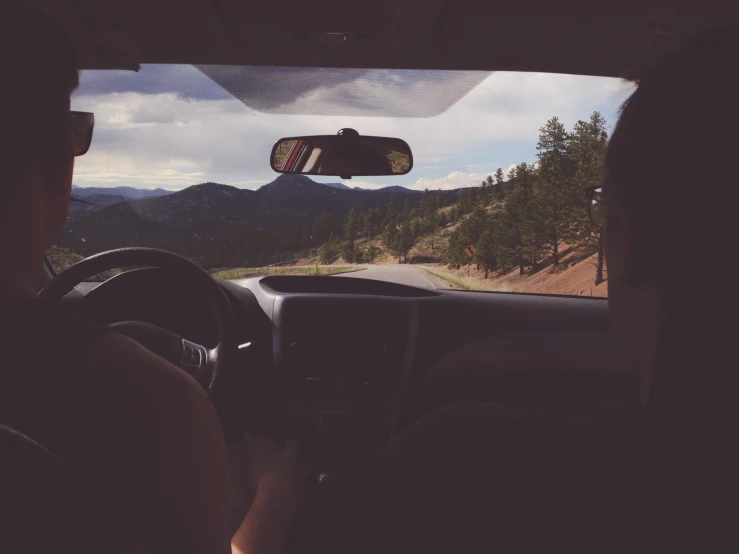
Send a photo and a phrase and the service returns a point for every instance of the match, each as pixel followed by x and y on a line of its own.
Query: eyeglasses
pixel 596 205
pixel 81 125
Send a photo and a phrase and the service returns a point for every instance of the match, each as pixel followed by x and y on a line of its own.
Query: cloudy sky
pixel 173 126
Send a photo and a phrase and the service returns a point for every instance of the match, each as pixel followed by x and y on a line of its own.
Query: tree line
pixel 398 228
pixel 543 208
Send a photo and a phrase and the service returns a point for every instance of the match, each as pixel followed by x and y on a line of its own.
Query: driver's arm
pixel 170 468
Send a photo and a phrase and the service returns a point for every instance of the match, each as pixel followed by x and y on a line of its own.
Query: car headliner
pixel 569 37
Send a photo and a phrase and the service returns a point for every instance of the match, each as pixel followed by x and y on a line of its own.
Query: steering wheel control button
pixel 194 356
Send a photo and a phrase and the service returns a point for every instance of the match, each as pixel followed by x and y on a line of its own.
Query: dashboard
pixel 351 357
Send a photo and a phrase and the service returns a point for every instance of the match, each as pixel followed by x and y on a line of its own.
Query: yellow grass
pixel 244 272
pixel 467 283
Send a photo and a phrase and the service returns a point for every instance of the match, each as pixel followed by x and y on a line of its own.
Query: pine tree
pixel 518 234
pixel 371 253
pixel 372 223
pixel 392 212
pixel 440 199
pixel 458 241
pixel 416 227
pixel 350 225
pixel 390 239
pixel 509 234
pixel 499 190
pixel 466 201
pixel 484 192
pixel 587 145
pixel 406 208
pixel 442 220
pixel 486 250
pixel 324 225
pixel 490 192
pixel 405 241
pixel 348 251
pixel 361 217
pixel 454 214
pixel 556 194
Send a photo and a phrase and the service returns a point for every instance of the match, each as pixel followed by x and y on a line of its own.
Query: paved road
pixel 401 274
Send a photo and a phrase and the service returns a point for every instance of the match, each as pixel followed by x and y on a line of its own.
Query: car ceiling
pixel 562 37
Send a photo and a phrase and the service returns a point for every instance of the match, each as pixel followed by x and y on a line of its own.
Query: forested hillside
pixel 526 219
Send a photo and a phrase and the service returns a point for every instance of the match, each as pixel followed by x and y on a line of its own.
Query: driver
pixel 140 435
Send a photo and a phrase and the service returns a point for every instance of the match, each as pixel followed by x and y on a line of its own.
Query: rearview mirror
pixel 344 155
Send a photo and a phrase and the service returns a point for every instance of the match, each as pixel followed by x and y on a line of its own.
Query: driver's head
pixel 670 185
pixel 36 157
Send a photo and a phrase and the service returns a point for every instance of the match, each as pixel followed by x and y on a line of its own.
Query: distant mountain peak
pixel 209 185
pixel 341 186
pixel 123 191
pixel 396 188
pixel 290 181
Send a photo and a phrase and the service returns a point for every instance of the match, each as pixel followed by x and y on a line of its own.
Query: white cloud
pixel 455 180
pixel 166 139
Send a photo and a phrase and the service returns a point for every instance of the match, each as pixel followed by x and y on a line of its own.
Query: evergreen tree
pixel 392 212
pixel 348 251
pixel 440 199
pixel 427 210
pixel 416 228
pixel 371 253
pixel 466 201
pixel 499 190
pixel 372 223
pixel 405 241
pixel 557 195
pixel 488 190
pixel 324 225
pixel 390 239
pixel 454 214
pixel 406 208
pixel 587 146
pixel 486 250
pixel 328 252
pixel 484 192
pixel 499 176
pixel 361 217
pixel 454 254
pixel 518 233
pixel 351 225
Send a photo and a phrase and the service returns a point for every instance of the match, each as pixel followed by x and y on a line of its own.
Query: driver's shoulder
pixel 120 379
pixel 122 356
pixel 159 429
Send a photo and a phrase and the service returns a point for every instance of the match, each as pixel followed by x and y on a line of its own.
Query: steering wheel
pixel 206 365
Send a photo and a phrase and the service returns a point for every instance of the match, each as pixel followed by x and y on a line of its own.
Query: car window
pixel 496 200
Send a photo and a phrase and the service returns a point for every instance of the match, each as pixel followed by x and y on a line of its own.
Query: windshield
pixel 496 199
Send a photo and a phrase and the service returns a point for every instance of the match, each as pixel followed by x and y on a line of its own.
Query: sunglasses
pixel 81 125
pixel 596 205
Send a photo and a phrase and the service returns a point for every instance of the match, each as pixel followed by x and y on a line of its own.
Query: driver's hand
pixel 271 474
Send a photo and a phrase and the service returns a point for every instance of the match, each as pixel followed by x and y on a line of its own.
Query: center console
pixel 344 363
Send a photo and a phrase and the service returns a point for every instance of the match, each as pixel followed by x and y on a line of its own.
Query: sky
pixel 173 126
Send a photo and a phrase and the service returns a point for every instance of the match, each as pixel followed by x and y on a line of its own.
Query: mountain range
pixel 124 192
pixel 282 213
